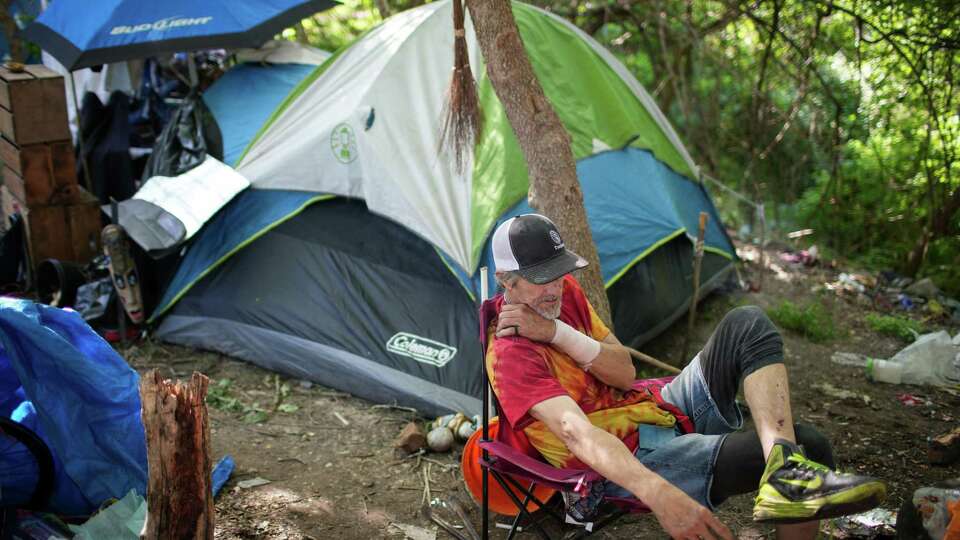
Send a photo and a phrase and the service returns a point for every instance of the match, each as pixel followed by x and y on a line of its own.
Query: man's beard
pixel 548 313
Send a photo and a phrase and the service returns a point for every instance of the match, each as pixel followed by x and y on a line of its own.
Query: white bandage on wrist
pixel 581 347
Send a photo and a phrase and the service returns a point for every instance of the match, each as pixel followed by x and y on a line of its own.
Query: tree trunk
pixel 11 32
pixel 554 187
pixel 179 496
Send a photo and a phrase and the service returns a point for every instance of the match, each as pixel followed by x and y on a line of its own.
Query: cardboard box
pixel 33 106
pixel 68 232
pixel 40 174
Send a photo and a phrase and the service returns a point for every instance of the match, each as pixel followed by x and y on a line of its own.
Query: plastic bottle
pixel 884 371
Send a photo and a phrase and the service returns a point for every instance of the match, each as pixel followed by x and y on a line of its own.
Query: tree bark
pixel 11 32
pixel 554 187
pixel 179 496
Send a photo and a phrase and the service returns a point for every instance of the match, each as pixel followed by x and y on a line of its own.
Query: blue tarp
pixel 244 98
pixel 62 380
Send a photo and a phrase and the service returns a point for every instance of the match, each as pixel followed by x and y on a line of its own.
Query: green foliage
pixel 219 396
pixel 811 321
pixel 840 115
pixel 902 328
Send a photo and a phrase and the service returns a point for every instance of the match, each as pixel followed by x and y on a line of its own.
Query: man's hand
pixel 684 518
pixel 520 320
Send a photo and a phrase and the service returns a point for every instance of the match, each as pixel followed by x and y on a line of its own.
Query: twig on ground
pixel 445 466
pixel 396 407
pixel 426 485
pixel 334 394
pixel 340 417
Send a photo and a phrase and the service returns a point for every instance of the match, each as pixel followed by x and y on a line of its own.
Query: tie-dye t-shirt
pixel 525 372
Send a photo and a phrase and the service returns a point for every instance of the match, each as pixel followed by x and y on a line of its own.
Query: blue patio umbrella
pixel 80 33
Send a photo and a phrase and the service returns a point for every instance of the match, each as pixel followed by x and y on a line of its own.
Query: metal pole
pixel 697 259
pixel 485 507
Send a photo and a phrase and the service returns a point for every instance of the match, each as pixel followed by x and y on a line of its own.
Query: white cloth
pixel 196 195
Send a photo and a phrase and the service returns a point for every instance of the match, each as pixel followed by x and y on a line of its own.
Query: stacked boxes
pixel 39 170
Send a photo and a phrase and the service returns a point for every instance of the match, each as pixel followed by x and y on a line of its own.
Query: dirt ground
pixel 333 472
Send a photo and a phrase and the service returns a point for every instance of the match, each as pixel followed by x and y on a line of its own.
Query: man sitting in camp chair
pixel 563 381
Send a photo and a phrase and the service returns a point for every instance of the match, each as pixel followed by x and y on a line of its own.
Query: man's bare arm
pixel 678 514
pixel 613 365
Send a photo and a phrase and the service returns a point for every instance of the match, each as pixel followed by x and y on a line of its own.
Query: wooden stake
pixel 697 259
pixel 179 496
pixel 647 359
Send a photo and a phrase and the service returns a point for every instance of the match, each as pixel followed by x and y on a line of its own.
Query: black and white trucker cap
pixel 531 245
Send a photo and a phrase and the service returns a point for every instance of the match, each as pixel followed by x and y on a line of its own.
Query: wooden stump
pixel 179 497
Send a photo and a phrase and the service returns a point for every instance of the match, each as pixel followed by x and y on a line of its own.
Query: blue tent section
pixel 244 98
pixel 65 383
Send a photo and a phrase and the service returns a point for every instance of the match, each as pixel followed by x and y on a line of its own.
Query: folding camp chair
pixel 519 475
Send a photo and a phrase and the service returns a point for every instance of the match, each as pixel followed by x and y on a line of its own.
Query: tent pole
pixel 485 506
pixel 83 153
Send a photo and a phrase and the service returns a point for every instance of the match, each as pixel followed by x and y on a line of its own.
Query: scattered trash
pixel 910 400
pixel 805 257
pixel 924 288
pixel 221 473
pixel 340 417
pixel 944 449
pixel 411 438
pixel 876 523
pixel 933 359
pixel 847 396
pixel 437 506
pixel 252 483
pixel 414 532
pixel 751 533
pixel 933 511
pixel 459 424
pixel 440 439
pixel 122 520
pixel 850 359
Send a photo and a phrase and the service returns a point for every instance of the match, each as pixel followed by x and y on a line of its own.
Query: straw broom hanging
pixel 462 120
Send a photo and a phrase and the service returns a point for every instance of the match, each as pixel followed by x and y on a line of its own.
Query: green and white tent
pixel 369 120
pixel 353 261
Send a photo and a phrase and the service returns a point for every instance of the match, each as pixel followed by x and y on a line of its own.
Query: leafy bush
pixel 811 321
pixel 898 327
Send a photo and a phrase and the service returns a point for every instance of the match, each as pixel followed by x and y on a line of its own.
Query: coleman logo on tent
pixel 161 25
pixel 343 142
pixel 421 349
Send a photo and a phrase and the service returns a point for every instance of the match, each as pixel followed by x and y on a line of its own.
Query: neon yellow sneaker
pixel 794 488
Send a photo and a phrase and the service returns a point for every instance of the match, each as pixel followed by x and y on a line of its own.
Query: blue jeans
pixel 687 460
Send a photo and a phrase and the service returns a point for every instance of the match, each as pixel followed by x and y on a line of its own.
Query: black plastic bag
pixel 191 134
pixel 13 253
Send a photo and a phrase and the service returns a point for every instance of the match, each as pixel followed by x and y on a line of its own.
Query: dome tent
pixel 353 261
